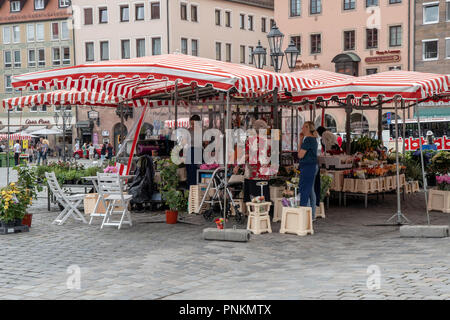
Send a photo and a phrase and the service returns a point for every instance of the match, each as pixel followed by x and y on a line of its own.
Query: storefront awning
pixel 83 124
pixel 434 112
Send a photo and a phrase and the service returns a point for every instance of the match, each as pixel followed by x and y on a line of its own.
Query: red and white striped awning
pixel 123 77
pixel 15 136
pixel 408 85
pixel 321 76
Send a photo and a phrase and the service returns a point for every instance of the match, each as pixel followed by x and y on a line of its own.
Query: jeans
pixel 39 157
pixel 16 158
pixel 313 196
pixel 306 185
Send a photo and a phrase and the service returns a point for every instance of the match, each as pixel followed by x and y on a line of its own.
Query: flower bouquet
pixel 443 182
pixel 110 169
pixel 219 223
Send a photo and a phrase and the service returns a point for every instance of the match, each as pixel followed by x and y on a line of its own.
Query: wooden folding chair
pixel 110 187
pixel 68 202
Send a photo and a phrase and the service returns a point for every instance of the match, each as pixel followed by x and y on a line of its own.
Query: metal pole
pixel 403 129
pixel 227 122
pixel 64 140
pixel 399 214
pixel 292 128
pixel 380 120
pixel 7 150
pixel 176 105
pixel 348 112
pixel 425 185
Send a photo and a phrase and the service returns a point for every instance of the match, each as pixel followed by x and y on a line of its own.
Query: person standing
pixel 44 151
pixel 328 139
pixel 17 151
pixel 84 149
pixel 91 150
pixel 191 166
pixel 308 166
pixel 39 151
pixel 110 151
pixel 103 152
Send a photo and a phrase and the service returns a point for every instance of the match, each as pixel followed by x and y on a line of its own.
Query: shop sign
pixel 383 59
pixel 388 52
pixel 40 121
pixel 93 115
pixel 304 66
pixel 105 133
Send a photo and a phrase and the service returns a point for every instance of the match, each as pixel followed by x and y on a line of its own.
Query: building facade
pixel 34 35
pixel 226 30
pixel 355 37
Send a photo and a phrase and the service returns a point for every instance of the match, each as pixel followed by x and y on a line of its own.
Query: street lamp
pixel 259 56
pixel 66 116
pixel 291 55
pixel 275 38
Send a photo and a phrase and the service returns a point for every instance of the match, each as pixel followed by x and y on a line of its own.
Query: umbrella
pixel 45 132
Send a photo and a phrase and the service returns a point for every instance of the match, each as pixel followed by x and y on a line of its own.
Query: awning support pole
pixel 380 120
pixel 7 150
pixel 292 128
pixel 225 193
pixel 176 104
pixel 348 112
pixel 425 184
pixel 399 215
pixel 403 128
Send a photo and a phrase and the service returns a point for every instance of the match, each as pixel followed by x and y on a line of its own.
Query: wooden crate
pixel 276 192
pixel 363 185
pixel 196 193
pixel 349 185
pixel 297 221
pixel 89 204
pixel 439 200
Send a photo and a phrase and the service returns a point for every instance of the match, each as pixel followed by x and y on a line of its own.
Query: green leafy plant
pixel 175 199
pixel 325 184
pixel 440 163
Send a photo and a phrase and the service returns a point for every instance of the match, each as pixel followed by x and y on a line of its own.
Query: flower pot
pixel 171 216
pixel 9 224
pixel 17 222
pixel 26 221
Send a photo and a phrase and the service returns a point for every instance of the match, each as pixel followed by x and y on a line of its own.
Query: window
pixel 316 43
pixel 6 35
pixel 39 32
pixel 8 83
pixel 395 1
pixel 184 46
pixel 64 3
pixel 41 57
pixel 38 4
pixel 315 6
pixel 431 13
pixel 194 17
pixel 7 59
pixel 31 58
pixel 242 54
pixel 242 21
pixel 15 6
pixel 194 47
pixel 183 11
pixel 89 50
pixel 55 31
pixel 371 71
pixel 16 34
pixel 349 40
pixel 64 30
pixel 349 4
pixel 156 46
pixel 297 42
pixel 395 36
pixel 448 11
pixel 250 54
pixel 66 55
pixel 295 8
pixel 30 32
pixel 155 13
pixel 228 52
pixel 102 15
pixel 139 12
pixel 125 48
pixel 17 59
pixel 263 25
pixel 217 15
pixel 124 13
pixel 371 3
pixel 447 48
pixel 272 23
pixel 140 48
pixel 218 51
pixel 430 49
pixel 228 19
pixel 88 16
pixel 104 50
pixel 56 56
pixel 372 38
pixel 395 68
pixel 250 23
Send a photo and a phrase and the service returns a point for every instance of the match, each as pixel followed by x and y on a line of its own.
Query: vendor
pixel 328 140
pixel 191 166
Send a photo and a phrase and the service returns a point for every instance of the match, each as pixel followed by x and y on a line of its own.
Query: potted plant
pixel 439 198
pixel 14 201
pixel 175 199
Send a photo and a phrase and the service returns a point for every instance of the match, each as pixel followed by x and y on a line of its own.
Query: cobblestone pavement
pixel 152 260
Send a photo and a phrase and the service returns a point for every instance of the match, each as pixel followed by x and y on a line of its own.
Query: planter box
pixel 349 185
pixel 277 209
pixel 16 229
pixel 297 221
pixel 276 192
pixel 195 198
pixel 320 211
pixel 258 209
pixel 439 200
pixel 382 183
pixel 363 186
pixel 259 224
pixel 89 204
pixel 337 177
pixel 389 183
pixel 375 185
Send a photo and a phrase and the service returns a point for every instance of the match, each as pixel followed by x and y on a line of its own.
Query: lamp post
pixel 66 117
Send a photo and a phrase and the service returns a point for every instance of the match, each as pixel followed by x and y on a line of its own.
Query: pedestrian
pixel 308 166
pixel 17 151
pixel 44 151
pixel 29 152
pixel 84 149
pixel 191 165
pixel 39 151
pixel 103 152
pixel 91 151
pixel 110 151
pixel 328 140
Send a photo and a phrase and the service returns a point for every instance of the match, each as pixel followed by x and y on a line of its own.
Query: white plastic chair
pixel 69 202
pixel 111 189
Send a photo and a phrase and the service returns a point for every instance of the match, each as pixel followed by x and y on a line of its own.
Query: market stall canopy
pixel 17 136
pixel 11 129
pixel 123 77
pixel 46 132
pixel 409 85
pixel 321 76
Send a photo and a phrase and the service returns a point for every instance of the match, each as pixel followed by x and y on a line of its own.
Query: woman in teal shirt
pixel 308 165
